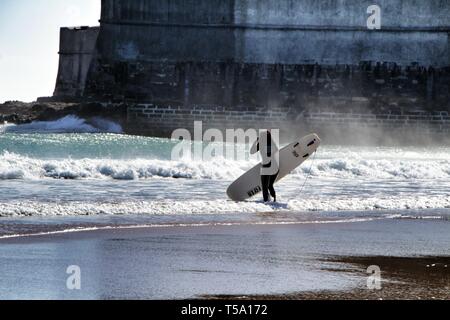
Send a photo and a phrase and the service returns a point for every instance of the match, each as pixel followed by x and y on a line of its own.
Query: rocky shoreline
pixel 17 112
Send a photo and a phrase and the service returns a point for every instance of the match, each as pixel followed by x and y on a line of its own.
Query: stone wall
pixel 275 32
pixel 438 121
pixel 162 120
pixel 272 53
pixel 368 85
pixel 151 119
pixel 253 57
pixel 77 48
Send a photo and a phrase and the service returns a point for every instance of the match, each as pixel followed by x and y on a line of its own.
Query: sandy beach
pixel 140 140
pixel 139 225
pixel 299 261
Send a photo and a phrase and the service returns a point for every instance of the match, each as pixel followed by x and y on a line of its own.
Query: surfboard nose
pixel 316 136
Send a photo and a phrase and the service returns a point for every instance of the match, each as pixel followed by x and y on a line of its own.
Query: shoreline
pixel 302 262
pixel 107 228
pixel 17 112
pixel 97 224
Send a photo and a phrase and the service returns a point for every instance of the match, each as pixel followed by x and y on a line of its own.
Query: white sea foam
pixel 405 169
pixel 168 207
pixel 5 127
pixel 68 124
pixel 15 166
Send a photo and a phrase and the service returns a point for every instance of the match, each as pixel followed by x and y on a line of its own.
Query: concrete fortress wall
pixel 277 32
pixel 239 55
pixel 77 48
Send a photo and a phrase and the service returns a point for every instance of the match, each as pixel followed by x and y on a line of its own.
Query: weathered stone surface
pixel 77 48
pixel 248 61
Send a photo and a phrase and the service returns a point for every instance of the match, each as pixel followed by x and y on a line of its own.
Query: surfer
pixel 270 166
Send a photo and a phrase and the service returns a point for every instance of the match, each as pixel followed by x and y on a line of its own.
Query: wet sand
pixel 307 261
pixel 403 278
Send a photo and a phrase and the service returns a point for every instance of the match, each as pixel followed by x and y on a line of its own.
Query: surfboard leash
pixel 309 173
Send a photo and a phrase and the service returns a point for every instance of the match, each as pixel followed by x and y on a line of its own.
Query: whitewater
pixel 54 179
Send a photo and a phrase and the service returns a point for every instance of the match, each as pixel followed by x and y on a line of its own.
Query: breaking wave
pixel 205 207
pixel 406 169
pixel 68 124
pixel 15 166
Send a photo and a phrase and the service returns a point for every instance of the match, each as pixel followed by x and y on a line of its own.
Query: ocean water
pixel 69 175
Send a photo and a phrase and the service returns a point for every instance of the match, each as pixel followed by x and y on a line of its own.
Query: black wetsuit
pixel 267 186
pixel 268 181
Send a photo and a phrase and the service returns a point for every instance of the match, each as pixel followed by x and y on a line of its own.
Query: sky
pixel 29 43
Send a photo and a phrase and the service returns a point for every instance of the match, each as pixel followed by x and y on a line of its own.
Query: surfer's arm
pixel 255 148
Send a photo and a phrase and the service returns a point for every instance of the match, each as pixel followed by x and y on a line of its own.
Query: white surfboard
pixel 290 157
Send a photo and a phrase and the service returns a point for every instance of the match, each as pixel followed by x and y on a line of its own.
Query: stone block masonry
pixel 162 120
pixel 155 120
